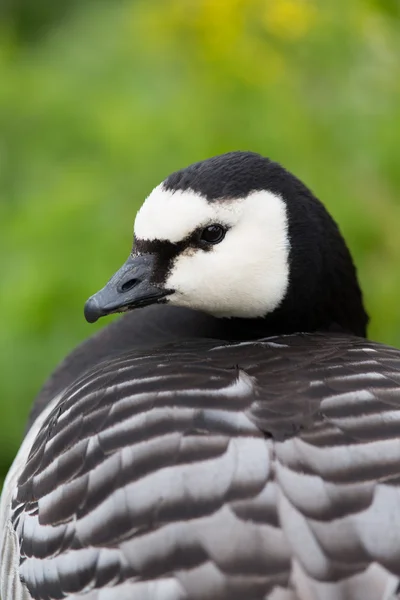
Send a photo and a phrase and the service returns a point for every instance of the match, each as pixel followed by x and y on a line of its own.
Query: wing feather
pixel 258 470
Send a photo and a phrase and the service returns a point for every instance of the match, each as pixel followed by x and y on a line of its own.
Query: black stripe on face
pixel 165 252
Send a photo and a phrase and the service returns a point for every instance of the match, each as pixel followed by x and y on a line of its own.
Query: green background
pixel 99 101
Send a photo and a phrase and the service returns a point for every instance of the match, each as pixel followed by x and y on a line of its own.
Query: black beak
pixel 129 288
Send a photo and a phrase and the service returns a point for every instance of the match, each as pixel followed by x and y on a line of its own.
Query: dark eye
pixel 213 234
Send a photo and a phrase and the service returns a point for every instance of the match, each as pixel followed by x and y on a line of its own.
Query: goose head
pixel 238 236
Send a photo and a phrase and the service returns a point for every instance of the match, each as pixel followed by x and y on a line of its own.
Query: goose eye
pixel 213 234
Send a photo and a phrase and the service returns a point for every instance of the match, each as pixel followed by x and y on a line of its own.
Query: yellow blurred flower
pixel 289 19
pixel 228 36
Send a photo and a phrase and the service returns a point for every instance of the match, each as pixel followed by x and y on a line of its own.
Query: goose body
pixel 238 437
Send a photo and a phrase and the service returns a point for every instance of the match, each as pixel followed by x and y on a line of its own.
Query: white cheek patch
pixel 247 274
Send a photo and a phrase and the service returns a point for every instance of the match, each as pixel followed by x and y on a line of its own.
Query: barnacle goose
pixel 236 438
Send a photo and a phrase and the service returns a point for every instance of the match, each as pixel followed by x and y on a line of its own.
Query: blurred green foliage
pixel 99 101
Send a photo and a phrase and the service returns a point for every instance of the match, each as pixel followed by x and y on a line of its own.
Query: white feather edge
pixel 11 587
pixel 375 580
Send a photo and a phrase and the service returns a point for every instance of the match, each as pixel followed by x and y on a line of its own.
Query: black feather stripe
pixel 147 467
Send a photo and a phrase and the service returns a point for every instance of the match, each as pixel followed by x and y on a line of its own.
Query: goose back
pixel 218 469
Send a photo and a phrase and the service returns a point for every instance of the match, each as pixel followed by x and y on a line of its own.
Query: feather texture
pixel 208 469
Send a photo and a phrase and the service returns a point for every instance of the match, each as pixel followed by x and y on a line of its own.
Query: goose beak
pixel 129 288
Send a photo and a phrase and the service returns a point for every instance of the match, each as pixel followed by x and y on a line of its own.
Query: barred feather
pixel 214 470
